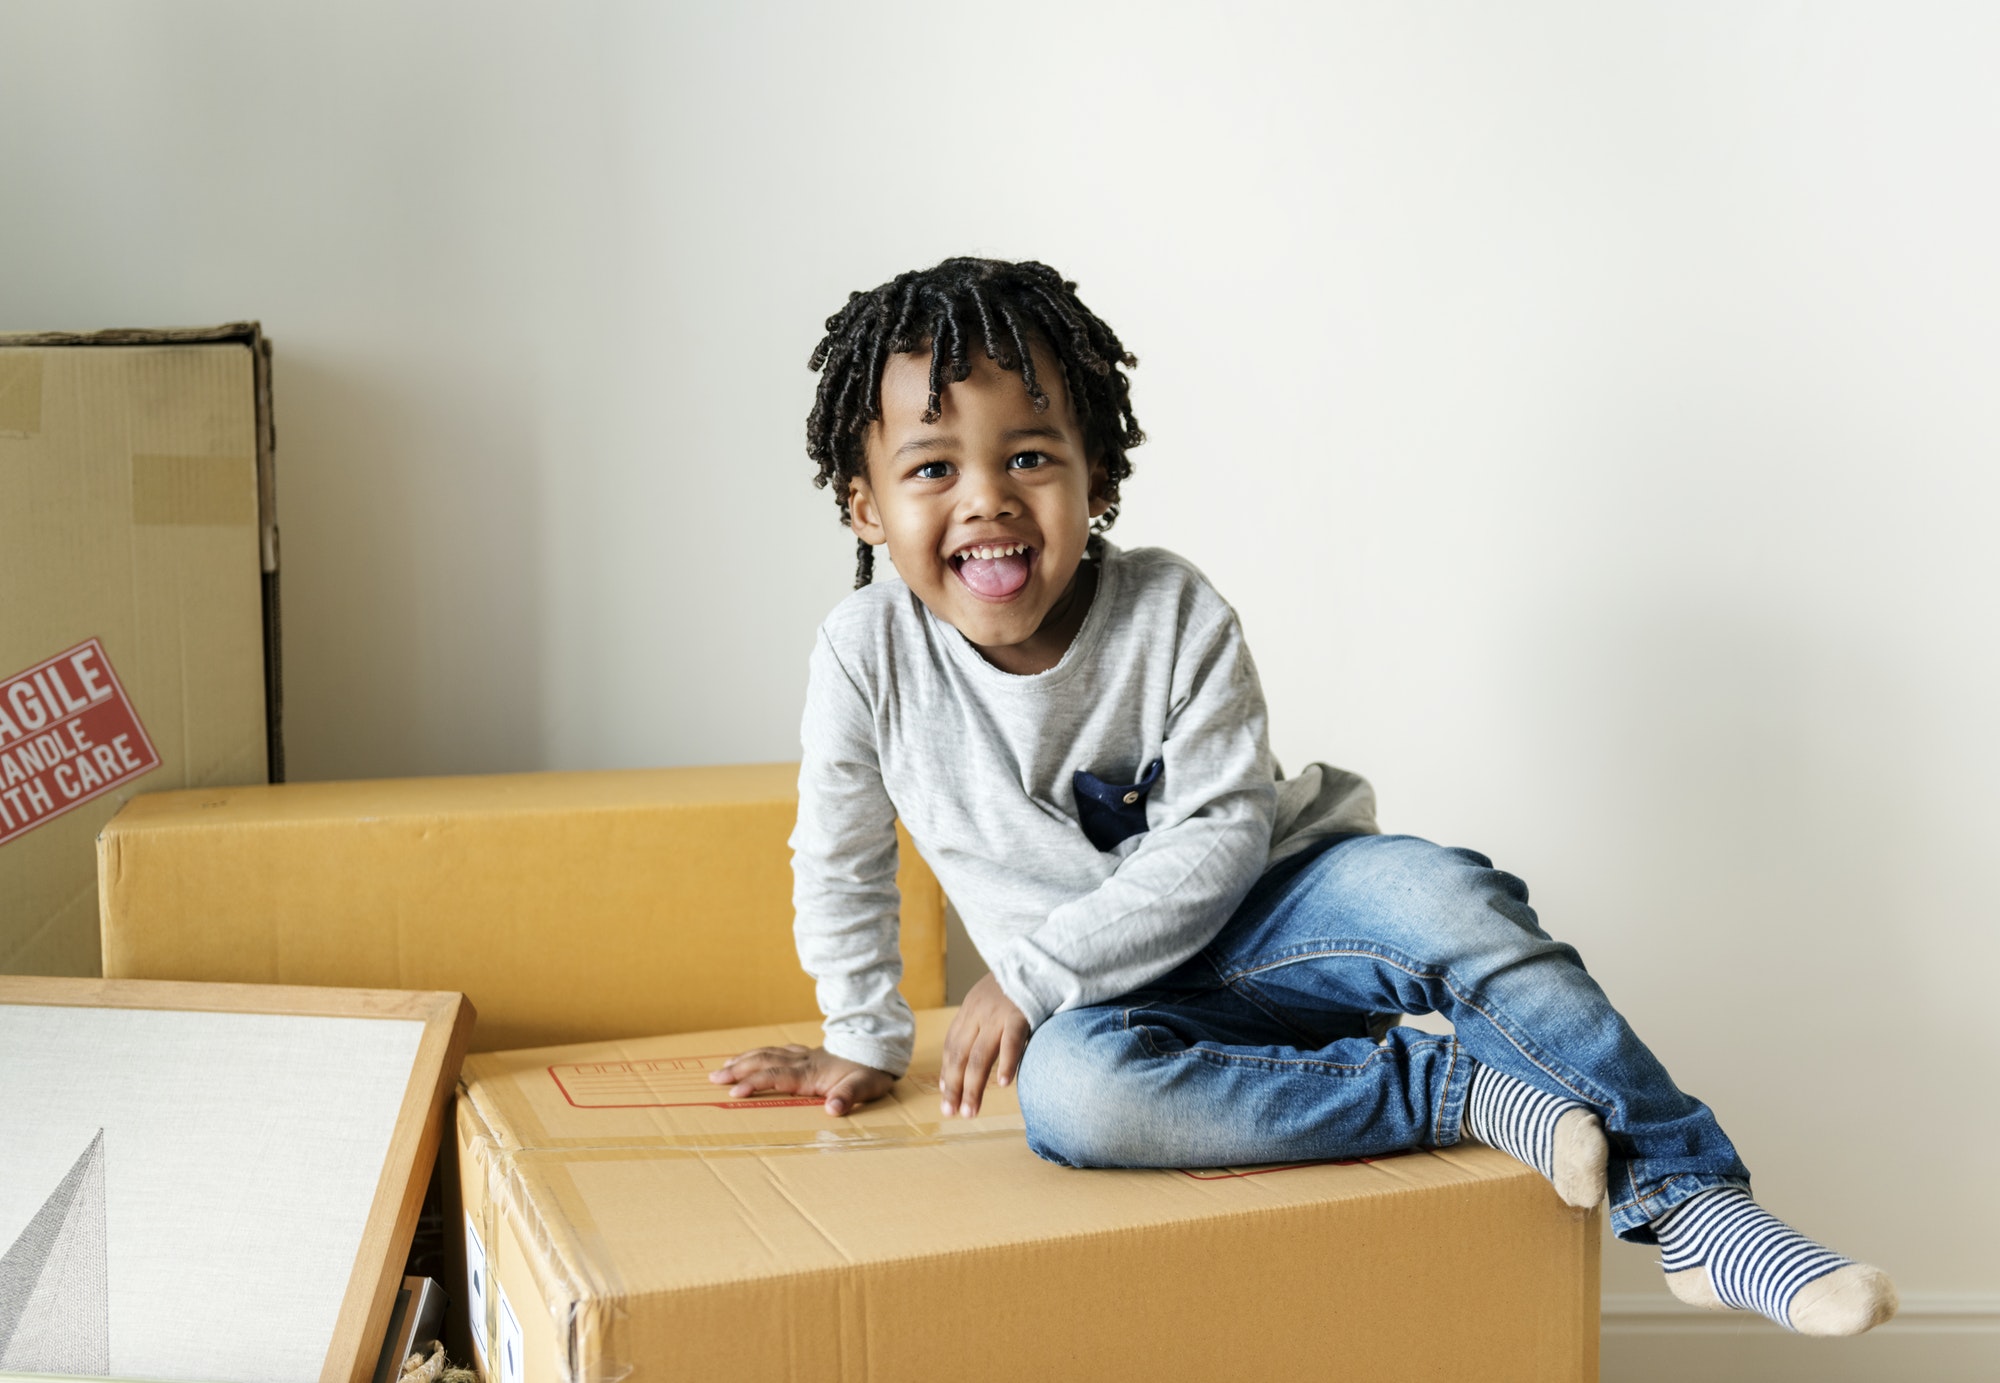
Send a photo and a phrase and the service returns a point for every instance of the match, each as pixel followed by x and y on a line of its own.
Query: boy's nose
pixel 990 495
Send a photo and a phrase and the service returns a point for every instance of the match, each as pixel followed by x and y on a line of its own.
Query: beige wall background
pixel 1590 408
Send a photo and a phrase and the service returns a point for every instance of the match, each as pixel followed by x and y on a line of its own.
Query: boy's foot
pixel 1721 1249
pixel 1559 1138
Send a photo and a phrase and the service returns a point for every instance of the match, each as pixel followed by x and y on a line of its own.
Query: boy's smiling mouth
pixel 993 570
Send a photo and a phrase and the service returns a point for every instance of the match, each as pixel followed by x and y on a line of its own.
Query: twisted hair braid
pixel 996 306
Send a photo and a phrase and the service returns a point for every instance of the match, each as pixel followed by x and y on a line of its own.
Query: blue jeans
pixel 1258 1048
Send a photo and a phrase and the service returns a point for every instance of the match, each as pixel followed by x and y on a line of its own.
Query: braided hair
pixel 997 306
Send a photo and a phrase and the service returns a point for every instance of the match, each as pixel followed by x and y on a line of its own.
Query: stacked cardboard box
pixel 623 1220
pixel 568 906
pixel 138 557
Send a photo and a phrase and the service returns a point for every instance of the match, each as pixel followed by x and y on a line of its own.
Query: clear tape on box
pixel 582 1299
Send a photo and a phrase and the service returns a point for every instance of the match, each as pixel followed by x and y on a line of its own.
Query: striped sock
pixel 1720 1248
pixel 1558 1138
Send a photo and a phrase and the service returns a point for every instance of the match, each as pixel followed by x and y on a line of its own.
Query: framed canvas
pixel 213 1181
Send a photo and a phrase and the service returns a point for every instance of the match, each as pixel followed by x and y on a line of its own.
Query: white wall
pixel 1590 408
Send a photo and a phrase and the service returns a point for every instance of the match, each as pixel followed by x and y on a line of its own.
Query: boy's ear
pixel 863 517
pixel 1100 487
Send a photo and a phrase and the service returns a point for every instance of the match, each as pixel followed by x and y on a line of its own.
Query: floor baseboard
pixel 1648 1313
pixel 1937 1337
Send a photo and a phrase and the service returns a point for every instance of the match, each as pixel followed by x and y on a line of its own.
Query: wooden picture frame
pixel 447 1019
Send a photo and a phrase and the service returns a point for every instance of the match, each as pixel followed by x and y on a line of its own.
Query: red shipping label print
pixel 672 1082
pixel 67 734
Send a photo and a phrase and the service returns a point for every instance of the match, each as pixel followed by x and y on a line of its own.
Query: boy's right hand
pixel 796 1070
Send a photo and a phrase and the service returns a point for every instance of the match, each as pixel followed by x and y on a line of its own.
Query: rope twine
pixel 434 1368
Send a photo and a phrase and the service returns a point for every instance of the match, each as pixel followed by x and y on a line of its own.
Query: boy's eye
pixel 932 470
pixel 1027 460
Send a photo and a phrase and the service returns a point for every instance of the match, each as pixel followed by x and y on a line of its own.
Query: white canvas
pixel 239 1156
pixel 55 1308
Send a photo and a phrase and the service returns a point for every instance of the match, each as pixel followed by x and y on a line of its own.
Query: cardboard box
pixel 138 556
pixel 568 906
pixel 624 1221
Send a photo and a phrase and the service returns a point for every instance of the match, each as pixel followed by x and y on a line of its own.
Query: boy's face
pixel 985 511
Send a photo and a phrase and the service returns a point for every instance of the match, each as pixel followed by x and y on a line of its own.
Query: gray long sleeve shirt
pixel 905 718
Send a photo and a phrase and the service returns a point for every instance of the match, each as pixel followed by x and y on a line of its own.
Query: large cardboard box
pixel 623 1220
pixel 568 906
pixel 138 624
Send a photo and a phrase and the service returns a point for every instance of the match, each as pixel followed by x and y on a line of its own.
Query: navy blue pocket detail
pixel 1111 812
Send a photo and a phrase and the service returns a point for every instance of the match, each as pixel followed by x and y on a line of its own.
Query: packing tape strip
pixel 581 1294
pixel 589 1317
pixel 478 1149
pixel 188 491
pixel 574 1274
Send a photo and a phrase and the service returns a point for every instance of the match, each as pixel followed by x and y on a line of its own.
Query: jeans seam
pixel 1639 1198
pixel 1420 972
pixel 1202 1053
pixel 1210 1054
pixel 1444 1091
pixel 1641 1203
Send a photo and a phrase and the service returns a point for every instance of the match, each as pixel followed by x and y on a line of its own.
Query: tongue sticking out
pixel 995 577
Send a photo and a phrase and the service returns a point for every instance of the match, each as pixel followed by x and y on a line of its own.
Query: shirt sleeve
pixel 846 907
pixel 1209 836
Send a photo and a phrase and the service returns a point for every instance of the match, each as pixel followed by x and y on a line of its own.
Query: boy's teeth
pixel 987 554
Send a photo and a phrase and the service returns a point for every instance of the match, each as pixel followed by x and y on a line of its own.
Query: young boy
pixel 1188 952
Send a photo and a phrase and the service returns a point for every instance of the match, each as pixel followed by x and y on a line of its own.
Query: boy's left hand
pixel 986 1038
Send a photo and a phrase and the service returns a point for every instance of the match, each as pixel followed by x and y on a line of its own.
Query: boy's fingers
pixel 732 1069
pixel 844 1097
pixel 773 1076
pixel 977 1064
pixel 1009 1063
pixel 948 1084
pixel 837 1100
pixel 951 1070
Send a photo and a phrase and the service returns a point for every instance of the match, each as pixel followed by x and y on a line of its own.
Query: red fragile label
pixel 67 734
pixel 670 1082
